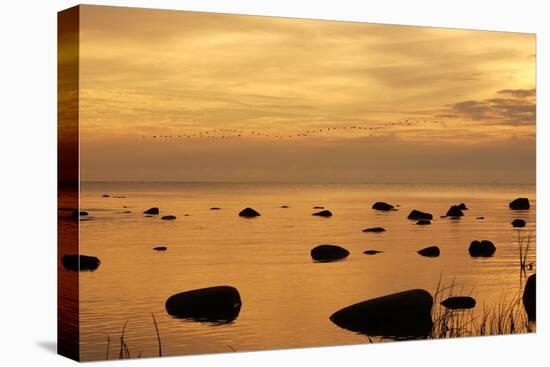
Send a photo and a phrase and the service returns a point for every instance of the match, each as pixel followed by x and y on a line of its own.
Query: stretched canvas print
pixel 233 183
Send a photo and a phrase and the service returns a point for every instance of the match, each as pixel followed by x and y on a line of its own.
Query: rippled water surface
pixel 287 298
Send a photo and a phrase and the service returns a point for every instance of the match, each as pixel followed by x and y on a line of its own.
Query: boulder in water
pixel 152 211
pixel 518 223
pixel 529 297
pixel 323 213
pixel 459 303
pixel 372 252
pixel 249 213
pixel 374 230
pixel 520 204
pixel 215 304
pixel 432 251
pixel 454 212
pixel 403 314
pixel 328 253
pixel 482 248
pixel 418 215
pixel 80 262
pixel 423 222
pixel 382 206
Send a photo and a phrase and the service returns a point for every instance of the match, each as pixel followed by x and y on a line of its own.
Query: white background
pixel 28 184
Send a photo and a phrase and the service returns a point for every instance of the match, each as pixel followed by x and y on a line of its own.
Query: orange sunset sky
pixel 146 73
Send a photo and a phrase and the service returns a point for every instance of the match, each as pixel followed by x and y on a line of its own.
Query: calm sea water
pixel 287 298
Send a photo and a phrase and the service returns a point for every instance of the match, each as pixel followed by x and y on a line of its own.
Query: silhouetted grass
pixel 507 317
pixel 124 351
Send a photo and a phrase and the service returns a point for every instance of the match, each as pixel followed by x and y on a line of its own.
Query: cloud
pixel 519 109
pixel 519 93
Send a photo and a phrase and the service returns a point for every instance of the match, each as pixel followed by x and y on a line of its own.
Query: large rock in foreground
pixel 152 211
pixel 403 314
pixel 482 248
pixel 249 213
pixel 327 253
pixel 80 262
pixel 382 206
pixel 520 204
pixel 529 297
pixel 222 303
pixel 418 215
pixel 323 213
pixel 459 303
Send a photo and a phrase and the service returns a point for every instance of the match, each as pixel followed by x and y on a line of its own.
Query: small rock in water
pixel 529 297
pixel 417 215
pixel 318 207
pixel 455 212
pixel 480 218
pixel 215 208
pixel 328 253
pixel 459 302
pixel 382 206
pixel 105 196
pixel 249 213
pixel 518 223
pixel 153 211
pixel 423 222
pixel 126 212
pixel 80 262
pixel 372 252
pixel 482 249
pixel 374 230
pixel 520 204
pixel 168 217
pixel 323 213
pixel 214 304
pixel 284 206
pixel 160 248
pixel 432 251
pixel 404 314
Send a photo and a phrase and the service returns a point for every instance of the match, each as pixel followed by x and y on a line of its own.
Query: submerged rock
pixel 432 251
pixel 152 211
pixel 459 302
pixel 105 196
pixel 249 213
pixel 482 248
pixel 374 230
pixel 327 253
pixel 417 215
pixel 284 206
pixel 80 262
pixel 168 217
pixel 222 303
pixel 160 248
pixel 423 222
pixel 323 213
pixel 403 314
pixel 520 204
pixel 529 297
pixel 372 252
pixel 455 212
pixel 518 223
pixel 382 206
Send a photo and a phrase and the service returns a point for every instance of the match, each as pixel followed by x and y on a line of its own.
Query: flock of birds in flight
pixel 239 133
